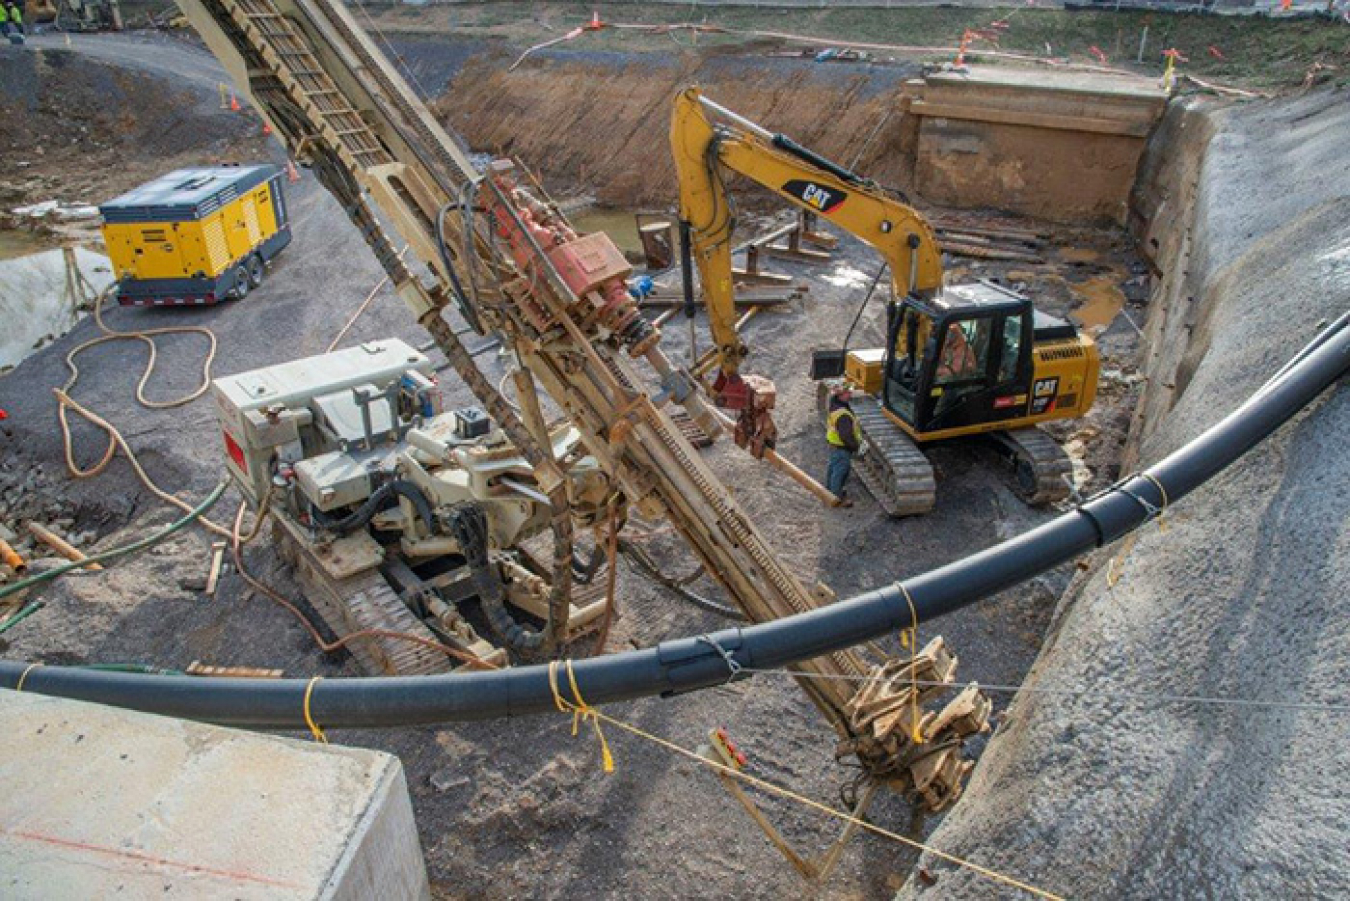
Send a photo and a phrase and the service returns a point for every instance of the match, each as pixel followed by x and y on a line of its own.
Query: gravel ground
pixel 1103 797
pixel 519 808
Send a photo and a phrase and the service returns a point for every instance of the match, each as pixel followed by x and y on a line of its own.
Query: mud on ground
pixel 518 808
pixel 81 130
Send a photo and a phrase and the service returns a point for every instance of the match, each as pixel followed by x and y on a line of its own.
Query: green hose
pixel 119 551
pixel 21 615
pixel 140 668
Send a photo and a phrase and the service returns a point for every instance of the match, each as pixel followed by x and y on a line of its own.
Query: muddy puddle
pixel 618 224
pixel 1102 300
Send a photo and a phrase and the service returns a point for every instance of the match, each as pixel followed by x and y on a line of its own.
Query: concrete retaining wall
pixel 100 803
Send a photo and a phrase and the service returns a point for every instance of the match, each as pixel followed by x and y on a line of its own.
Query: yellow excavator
pixel 959 360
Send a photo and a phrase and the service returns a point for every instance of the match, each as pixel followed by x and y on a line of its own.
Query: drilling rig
pixel 492 247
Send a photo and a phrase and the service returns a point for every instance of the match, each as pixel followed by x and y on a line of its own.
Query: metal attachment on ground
pixel 883 713
pixel 728 759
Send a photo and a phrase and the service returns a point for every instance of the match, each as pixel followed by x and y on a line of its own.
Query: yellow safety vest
pixel 832 434
pixel 4 16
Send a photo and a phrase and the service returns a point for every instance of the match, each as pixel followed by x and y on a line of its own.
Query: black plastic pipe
pixel 698 662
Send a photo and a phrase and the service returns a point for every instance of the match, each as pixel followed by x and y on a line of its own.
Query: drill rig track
pixel 361 601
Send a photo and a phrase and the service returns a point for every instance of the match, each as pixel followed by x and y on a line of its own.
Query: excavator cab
pixel 964 361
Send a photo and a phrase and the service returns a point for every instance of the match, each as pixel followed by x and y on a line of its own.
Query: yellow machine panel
pixel 1074 367
pixel 862 368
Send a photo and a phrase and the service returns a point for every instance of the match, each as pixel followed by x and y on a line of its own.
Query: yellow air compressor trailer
pixel 196 236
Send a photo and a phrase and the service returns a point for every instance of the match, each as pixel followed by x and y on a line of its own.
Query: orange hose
pixel 9 557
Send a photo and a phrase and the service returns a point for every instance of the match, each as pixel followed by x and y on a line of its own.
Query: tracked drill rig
pixel 494 248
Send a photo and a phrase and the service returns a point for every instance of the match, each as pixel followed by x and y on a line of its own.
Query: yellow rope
pixel 1162 492
pixel 579 710
pixel 309 717
pixel 909 638
pixel 24 675
pixel 814 805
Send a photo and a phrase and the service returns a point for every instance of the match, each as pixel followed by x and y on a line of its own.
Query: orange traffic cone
pixel 292 173
pixel 234 104
pixel 267 129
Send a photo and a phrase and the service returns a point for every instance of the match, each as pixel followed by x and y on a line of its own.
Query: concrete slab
pixel 99 802
pixel 1064 80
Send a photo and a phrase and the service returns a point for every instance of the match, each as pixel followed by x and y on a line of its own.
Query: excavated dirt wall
pixel 600 121
pixel 1106 779
pixel 1055 146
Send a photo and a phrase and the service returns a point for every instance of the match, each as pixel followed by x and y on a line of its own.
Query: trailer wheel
pixel 255 271
pixel 241 283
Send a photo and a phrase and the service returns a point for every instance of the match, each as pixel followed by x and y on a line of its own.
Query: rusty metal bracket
pixel 720 750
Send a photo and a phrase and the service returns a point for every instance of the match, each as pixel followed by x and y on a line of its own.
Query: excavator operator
pixel 959 360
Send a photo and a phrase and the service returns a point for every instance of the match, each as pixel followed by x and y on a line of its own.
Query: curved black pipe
pixel 691 663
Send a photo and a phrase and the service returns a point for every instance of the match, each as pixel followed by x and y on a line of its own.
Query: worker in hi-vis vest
pixel 4 19
pixel 16 17
pixel 844 437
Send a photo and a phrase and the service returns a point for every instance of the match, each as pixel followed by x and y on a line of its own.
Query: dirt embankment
pixel 79 130
pixel 1115 782
pixel 600 122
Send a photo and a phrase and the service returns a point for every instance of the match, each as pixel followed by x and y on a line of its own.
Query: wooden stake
pixel 60 545
pixel 213 576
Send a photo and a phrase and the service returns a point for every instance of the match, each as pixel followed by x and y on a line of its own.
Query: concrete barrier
pixel 97 802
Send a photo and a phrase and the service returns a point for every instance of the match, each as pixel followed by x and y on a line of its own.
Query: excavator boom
pixel 703 147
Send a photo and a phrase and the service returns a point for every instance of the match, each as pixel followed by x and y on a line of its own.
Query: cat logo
pixel 822 199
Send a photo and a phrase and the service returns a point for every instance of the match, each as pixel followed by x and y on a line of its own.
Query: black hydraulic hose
pixel 374 504
pixel 699 662
pixel 469 525
pixel 783 142
pixel 876 280
pixel 687 270
pixel 467 310
pixel 644 563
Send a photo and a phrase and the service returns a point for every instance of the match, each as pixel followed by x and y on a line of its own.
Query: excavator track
pixel 1042 471
pixel 892 466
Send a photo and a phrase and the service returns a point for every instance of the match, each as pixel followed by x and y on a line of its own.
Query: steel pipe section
pixel 693 663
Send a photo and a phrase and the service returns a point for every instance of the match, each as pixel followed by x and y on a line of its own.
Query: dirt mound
pixel 1091 791
pixel 600 121
pixel 78 129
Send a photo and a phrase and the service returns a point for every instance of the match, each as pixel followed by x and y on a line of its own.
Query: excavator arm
pixel 708 139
